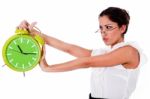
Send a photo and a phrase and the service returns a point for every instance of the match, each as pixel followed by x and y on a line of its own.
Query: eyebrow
pixel 106 25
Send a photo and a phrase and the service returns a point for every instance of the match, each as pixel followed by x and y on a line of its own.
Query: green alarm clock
pixel 22 52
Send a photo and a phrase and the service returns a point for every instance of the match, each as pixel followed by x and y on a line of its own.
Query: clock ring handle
pixel 38 37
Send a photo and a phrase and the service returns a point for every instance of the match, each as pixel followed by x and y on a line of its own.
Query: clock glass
pixel 21 53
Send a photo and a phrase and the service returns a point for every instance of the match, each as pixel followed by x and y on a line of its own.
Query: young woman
pixel 114 69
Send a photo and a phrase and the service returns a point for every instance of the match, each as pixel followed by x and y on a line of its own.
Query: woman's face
pixel 111 33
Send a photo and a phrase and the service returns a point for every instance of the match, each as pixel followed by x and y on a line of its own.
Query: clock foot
pixel 3 65
pixel 24 74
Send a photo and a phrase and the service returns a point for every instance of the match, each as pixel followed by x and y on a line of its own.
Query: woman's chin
pixel 107 43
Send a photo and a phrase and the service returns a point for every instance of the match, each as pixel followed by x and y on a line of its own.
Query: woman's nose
pixel 103 33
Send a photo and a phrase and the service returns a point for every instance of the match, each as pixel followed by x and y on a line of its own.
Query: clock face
pixel 21 53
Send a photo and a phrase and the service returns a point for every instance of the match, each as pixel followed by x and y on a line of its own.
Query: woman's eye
pixel 100 27
pixel 108 27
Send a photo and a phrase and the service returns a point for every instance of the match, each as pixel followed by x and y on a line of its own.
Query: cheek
pixel 111 35
pixel 114 35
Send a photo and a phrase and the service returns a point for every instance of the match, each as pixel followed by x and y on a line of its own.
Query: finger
pixel 26 23
pixel 24 29
pixel 23 25
pixel 43 52
pixel 32 25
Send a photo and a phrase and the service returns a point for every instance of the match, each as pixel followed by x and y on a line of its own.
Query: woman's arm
pixel 74 50
pixel 127 56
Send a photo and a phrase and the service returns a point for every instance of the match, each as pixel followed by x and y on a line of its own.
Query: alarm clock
pixel 22 52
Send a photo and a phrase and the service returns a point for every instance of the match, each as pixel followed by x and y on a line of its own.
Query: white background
pixel 72 21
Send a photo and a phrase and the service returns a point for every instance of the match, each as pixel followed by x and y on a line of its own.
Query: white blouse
pixel 114 82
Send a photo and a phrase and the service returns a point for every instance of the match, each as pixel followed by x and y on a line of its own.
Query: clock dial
pixel 22 52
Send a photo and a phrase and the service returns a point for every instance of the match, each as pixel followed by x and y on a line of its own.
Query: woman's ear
pixel 123 29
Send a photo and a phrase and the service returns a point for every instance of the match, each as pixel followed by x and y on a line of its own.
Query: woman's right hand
pixel 29 27
pixel 23 25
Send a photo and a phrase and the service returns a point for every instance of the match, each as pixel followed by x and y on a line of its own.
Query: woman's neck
pixel 119 41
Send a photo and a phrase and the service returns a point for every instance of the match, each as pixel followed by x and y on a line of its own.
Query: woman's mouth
pixel 105 39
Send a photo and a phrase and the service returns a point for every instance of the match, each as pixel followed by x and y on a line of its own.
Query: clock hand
pixel 20 49
pixel 30 53
pixel 23 52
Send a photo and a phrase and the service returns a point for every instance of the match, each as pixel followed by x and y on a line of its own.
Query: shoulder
pixel 131 54
pixel 128 49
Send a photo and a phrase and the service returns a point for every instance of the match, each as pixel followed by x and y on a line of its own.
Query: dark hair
pixel 118 15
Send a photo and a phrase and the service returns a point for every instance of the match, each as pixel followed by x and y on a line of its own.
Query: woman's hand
pixel 33 29
pixel 24 25
pixel 43 64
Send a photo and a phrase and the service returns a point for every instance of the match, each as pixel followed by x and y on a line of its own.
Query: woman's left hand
pixel 43 64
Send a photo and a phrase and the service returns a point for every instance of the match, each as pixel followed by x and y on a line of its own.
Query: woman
pixel 114 69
